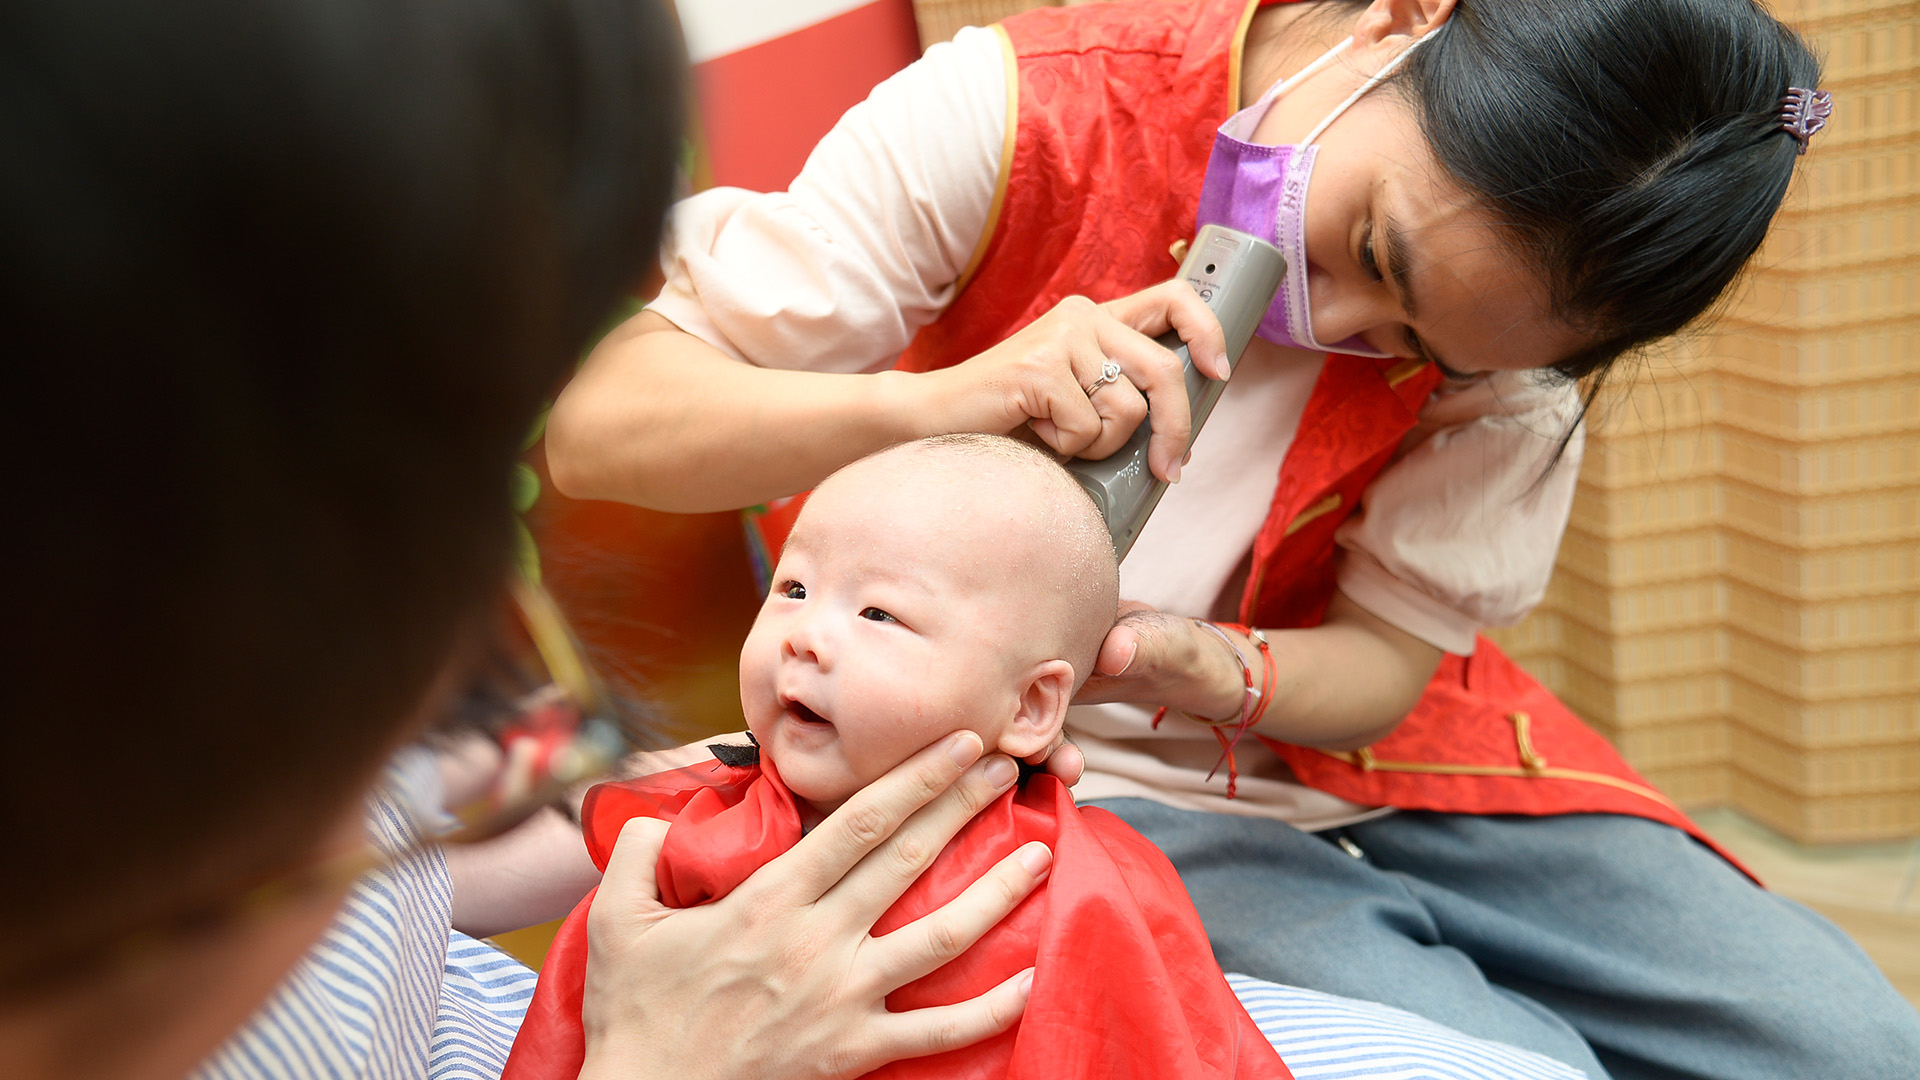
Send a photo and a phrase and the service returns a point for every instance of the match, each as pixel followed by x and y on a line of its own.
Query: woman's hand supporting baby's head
pixel 957 582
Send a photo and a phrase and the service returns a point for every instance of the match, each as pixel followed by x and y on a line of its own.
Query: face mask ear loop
pixel 1305 73
pixel 1249 118
pixel 1372 82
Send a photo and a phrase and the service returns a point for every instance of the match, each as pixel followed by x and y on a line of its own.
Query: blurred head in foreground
pixel 284 287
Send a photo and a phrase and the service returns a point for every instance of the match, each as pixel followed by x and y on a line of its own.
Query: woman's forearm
pixel 1343 684
pixel 532 874
pixel 1347 682
pixel 659 418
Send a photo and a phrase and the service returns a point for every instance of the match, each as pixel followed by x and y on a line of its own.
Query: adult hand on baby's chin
pixel 780 977
pixel 1153 658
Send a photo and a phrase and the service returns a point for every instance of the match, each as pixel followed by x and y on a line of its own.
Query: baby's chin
pixel 823 796
pixel 814 777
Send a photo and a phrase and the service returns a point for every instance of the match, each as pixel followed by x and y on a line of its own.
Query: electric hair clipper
pixel 1237 275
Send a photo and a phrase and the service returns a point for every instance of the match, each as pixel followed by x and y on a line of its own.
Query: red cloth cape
pixel 1125 983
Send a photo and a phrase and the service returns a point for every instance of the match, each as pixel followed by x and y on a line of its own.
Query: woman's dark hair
pixel 284 285
pixel 1632 146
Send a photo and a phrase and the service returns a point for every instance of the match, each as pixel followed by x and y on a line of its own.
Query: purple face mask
pixel 1262 190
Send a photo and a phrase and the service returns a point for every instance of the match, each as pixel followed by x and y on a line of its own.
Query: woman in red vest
pixel 1482 201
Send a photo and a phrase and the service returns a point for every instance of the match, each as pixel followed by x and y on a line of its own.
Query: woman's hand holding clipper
pixel 1042 374
pixel 659 418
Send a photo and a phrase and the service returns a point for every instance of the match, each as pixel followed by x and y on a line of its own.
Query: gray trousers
pixel 1615 944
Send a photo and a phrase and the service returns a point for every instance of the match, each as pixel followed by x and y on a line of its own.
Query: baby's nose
pixel 804 641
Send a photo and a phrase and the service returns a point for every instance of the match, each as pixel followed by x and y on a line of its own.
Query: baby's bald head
pixel 1021 521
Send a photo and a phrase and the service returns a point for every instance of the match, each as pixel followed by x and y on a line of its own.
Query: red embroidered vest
pixel 1115 109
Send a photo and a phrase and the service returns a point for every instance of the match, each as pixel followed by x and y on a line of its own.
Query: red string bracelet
pixel 1269 670
pixel 1252 707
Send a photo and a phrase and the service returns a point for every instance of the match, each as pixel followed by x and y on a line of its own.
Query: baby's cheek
pixel 893 741
pixel 872 757
pixel 761 730
pixel 757 696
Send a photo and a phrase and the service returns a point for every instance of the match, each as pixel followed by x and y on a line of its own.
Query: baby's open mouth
pixel 805 715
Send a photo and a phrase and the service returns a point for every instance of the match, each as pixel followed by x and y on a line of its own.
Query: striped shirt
pixel 1323 1037
pixel 389 990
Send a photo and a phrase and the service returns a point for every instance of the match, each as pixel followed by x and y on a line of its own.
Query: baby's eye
pixel 877 615
pixel 792 590
pixel 1367 259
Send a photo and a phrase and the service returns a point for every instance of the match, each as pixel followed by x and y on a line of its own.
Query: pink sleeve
pixel 840 271
pixel 1460 532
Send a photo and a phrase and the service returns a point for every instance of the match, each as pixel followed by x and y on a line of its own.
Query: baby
pixel 963 581
pixel 958 582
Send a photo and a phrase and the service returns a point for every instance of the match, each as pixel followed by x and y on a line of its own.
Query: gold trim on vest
pixel 1529 760
pixel 1012 61
pixel 1234 55
pixel 1318 510
pixel 1404 370
pixel 1364 760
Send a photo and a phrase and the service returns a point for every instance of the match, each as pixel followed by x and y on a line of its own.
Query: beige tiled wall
pixel 1738 600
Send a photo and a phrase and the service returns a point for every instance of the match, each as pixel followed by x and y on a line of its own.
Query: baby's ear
pixel 1040 710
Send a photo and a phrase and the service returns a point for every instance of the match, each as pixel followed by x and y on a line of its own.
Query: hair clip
pixel 1803 112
